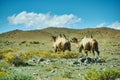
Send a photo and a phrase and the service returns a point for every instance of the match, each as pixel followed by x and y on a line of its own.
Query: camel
pixel 87 44
pixel 61 43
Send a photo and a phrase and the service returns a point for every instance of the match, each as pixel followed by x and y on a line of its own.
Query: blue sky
pixel 39 14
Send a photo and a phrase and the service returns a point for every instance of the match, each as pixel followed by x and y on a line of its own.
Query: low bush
pixel 23 42
pixel 6 50
pixel 3 52
pixel 14 59
pixel 107 74
pixel 1 56
pixel 2 74
pixel 9 57
pixel 17 61
pixel 4 66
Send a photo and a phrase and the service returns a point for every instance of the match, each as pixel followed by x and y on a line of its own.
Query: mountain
pixel 44 34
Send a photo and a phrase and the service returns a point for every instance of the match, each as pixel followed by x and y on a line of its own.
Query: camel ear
pixel 60 35
pixel 54 38
pixel 91 36
pixel 64 35
pixel 74 39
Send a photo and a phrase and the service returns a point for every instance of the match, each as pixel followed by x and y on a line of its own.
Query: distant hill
pixel 44 34
pixel 79 33
pixel 19 35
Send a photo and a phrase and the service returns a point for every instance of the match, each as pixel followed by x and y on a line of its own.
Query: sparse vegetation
pixel 65 55
pixel 67 75
pixel 34 58
pixel 15 76
pixel 49 54
pixel 4 66
pixel 107 74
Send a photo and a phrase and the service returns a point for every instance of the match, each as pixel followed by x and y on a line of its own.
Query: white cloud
pixel 101 25
pixel 43 20
pixel 114 25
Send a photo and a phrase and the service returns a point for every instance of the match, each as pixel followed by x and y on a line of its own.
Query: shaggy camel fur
pixel 60 43
pixel 87 44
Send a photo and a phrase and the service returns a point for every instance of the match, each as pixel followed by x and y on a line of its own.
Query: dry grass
pixel 49 54
pixel 2 73
pixel 59 78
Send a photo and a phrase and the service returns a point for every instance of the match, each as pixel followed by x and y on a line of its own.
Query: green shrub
pixel 67 75
pixel 4 66
pixel 1 56
pixel 17 61
pixel 108 74
pixel 23 42
pixel 35 42
pixel 16 76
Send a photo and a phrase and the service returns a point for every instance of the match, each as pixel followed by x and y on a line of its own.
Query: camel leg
pixel 63 50
pixel 86 53
pixel 69 49
pixel 93 52
pixel 55 50
pixel 96 49
pixel 98 53
pixel 80 50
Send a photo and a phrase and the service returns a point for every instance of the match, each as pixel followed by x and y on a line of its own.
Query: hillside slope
pixel 44 34
pixel 105 33
pixel 19 35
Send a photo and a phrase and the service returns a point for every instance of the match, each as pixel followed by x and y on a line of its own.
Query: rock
pixel 26 64
pixel 53 71
pixel 48 61
pixel 76 63
pixel 89 60
pixel 85 64
pixel 82 60
pixel 41 59
pixel 112 66
pixel 35 74
pixel 34 60
pixel 99 60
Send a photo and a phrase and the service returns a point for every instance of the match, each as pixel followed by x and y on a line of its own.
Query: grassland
pixel 28 55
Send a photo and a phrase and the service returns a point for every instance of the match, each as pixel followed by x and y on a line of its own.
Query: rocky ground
pixel 72 69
